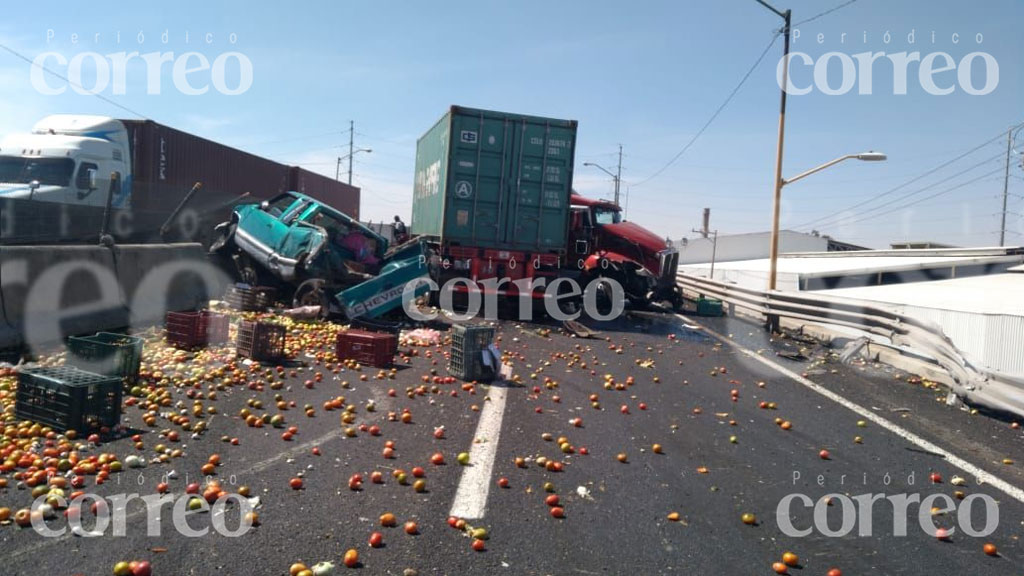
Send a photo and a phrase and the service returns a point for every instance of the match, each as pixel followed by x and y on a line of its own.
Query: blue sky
pixel 647 75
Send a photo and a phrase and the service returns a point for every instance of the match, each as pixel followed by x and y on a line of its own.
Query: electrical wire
pixel 66 79
pixel 718 111
pixel 901 186
pixel 825 13
pixel 926 198
pixel 841 219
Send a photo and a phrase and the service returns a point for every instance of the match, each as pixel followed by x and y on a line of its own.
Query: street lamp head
pixel 871 156
pixel 588 164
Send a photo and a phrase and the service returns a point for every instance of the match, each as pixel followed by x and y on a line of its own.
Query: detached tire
pixel 311 293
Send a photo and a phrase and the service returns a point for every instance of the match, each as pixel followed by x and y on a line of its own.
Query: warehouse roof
pixel 994 294
pixel 819 264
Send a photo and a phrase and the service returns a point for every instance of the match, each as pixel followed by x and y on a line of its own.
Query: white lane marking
pixel 980 474
pixel 471 495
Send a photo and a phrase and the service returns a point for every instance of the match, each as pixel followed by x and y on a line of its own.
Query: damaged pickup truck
pixel 326 257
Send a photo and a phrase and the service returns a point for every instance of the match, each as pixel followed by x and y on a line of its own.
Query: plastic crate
pixel 466 362
pixel 263 341
pixel 250 298
pixel 196 329
pixel 67 398
pixel 709 307
pixel 371 348
pixel 107 354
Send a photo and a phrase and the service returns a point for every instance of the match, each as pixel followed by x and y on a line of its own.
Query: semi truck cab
pixel 67 159
pixel 606 245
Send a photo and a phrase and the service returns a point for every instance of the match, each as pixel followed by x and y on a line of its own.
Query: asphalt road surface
pixel 646 381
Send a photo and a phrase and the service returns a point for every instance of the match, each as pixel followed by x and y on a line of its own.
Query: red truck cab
pixel 606 245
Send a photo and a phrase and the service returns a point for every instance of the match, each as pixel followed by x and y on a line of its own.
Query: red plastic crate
pixel 196 329
pixel 370 348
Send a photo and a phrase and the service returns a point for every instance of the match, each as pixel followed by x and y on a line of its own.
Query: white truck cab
pixel 69 159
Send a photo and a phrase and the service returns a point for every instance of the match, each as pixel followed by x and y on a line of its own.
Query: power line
pixel 307 137
pixel 728 99
pixel 64 78
pixel 926 198
pixel 839 221
pixel 826 12
pixel 904 185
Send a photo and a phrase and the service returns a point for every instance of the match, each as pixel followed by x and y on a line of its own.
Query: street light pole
pixel 615 177
pixel 777 203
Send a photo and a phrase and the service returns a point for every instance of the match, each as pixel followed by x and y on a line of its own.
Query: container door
pixel 541 171
pixel 478 180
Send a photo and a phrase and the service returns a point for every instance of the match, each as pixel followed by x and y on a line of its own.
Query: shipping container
pixel 495 180
pixel 338 195
pixel 166 163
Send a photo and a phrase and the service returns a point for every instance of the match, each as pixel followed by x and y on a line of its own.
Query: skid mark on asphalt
pixel 981 475
pixel 471 495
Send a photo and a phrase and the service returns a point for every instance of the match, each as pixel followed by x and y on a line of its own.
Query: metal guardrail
pixel 969 381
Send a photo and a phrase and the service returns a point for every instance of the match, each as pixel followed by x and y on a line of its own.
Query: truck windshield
pixel 50 171
pixel 607 216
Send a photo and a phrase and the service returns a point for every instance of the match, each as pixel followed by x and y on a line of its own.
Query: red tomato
pixel 479 545
pixel 351 558
pixel 295 483
pixel 376 540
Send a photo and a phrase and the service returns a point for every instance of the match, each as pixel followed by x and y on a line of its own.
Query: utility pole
pixel 1006 181
pixel 777 206
pixel 706 227
pixel 618 176
pixel 351 148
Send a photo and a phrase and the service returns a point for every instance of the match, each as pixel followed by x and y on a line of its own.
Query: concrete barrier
pixel 50 292
pixel 157 278
pixel 53 291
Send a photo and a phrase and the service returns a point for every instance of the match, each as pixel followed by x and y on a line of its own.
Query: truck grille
pixel 669 262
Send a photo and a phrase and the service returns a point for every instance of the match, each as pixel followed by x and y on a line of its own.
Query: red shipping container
pixel 370 348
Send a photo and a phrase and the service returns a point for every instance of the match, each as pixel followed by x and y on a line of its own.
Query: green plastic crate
pixel 709 307
pixel 107 354
pixel 67 398
pixel 465 362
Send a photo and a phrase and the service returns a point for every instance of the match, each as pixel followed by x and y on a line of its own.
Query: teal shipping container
pixel 495 180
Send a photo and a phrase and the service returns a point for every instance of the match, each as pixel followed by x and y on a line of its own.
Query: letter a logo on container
pixel 463 189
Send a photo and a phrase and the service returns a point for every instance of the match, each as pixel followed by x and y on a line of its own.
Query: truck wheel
pixel 312 293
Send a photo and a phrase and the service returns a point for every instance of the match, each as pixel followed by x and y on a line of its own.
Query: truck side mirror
pixel 92 179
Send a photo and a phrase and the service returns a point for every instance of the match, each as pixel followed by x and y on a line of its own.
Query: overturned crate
pixel 67 398
pixel 196 329
pixel 248 298
pixel 371 348
pixel 107 354
pixel 260 340
pixel 466 359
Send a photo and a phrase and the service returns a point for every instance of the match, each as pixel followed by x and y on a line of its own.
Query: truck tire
pixel 312 293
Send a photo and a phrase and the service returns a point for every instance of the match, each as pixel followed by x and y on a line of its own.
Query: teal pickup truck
pixel 329 258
